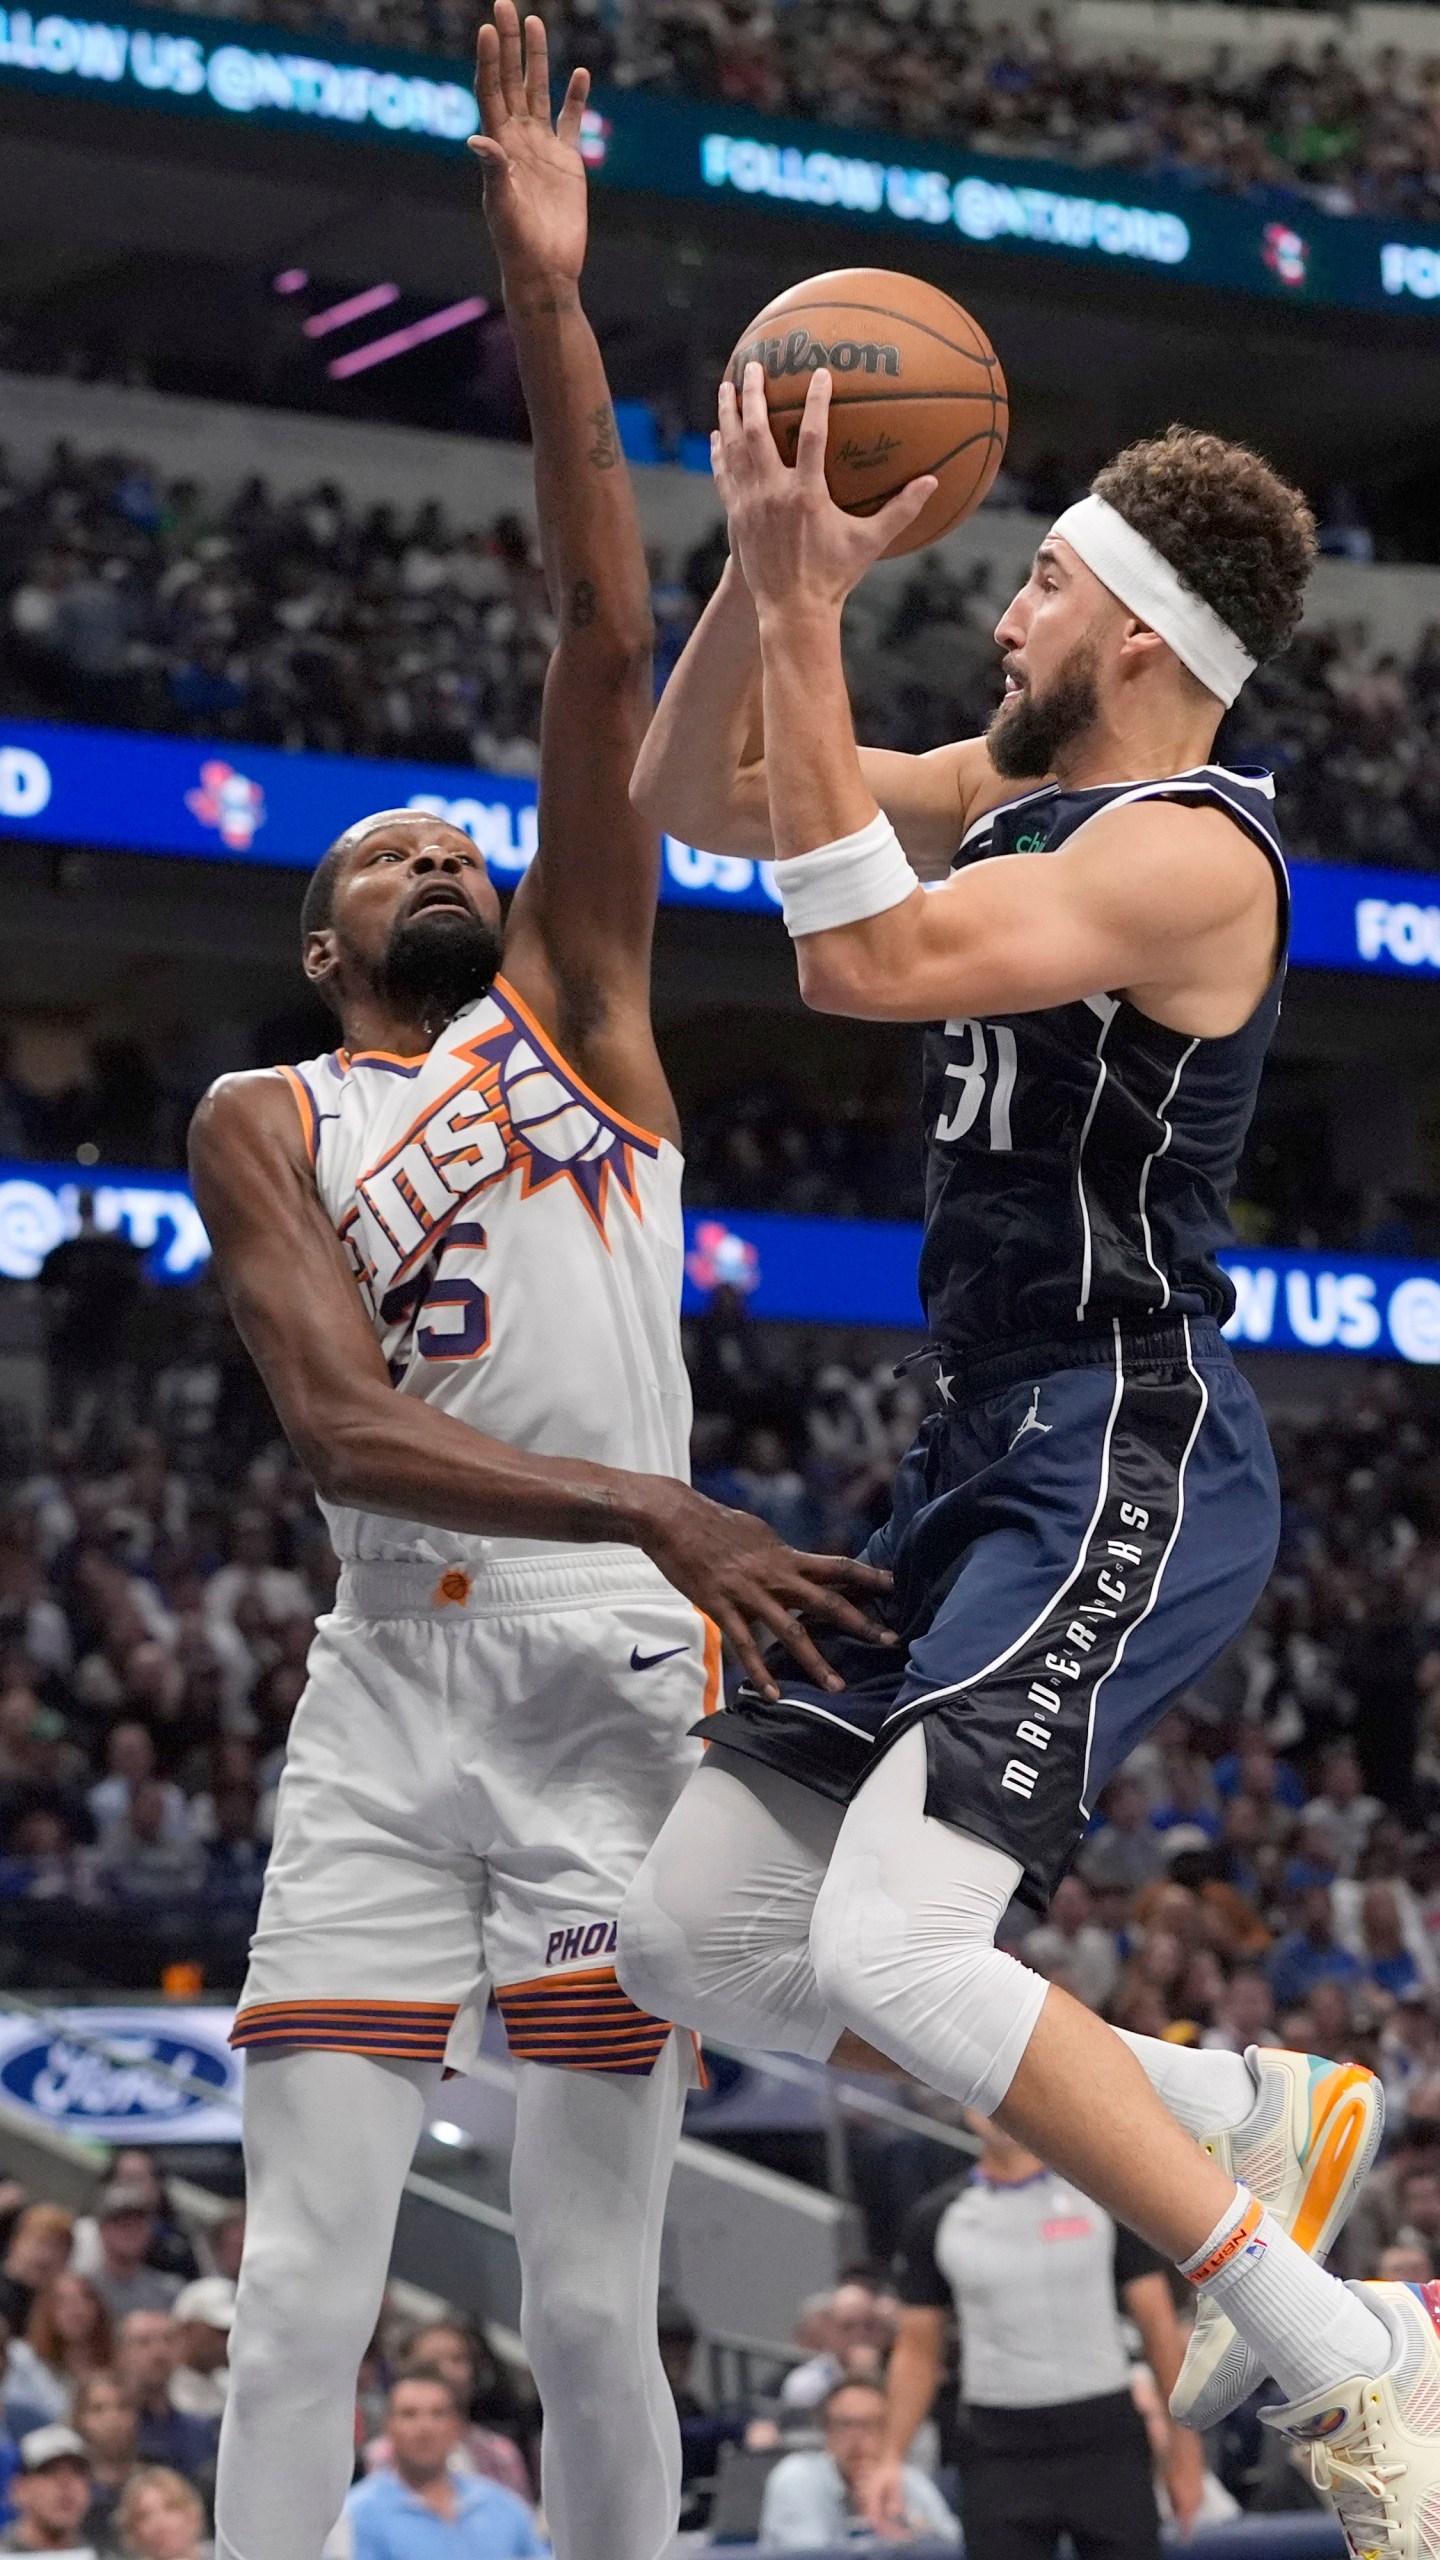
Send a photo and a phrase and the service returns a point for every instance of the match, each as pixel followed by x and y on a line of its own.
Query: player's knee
pixel 295 2311
pixel 573 2325
pixel 894 1977
pixel 660 1943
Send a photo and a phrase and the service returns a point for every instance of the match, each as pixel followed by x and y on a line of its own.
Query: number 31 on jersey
pixel 973 1075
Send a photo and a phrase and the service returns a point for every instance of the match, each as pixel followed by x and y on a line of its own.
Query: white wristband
pixel 843 883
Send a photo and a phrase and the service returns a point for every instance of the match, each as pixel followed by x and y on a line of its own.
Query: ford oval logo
pixel 67 2081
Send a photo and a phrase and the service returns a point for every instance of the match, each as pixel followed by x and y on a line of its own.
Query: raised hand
pixel 535 189
pixel 792 542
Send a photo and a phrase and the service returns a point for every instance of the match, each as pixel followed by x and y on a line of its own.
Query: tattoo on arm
pixel 605 450
pixel 584 603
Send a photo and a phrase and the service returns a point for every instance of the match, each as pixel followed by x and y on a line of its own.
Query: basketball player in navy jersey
pixel 1091 1515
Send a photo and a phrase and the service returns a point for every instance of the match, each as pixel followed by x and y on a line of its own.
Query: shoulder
pixel 269 1109
pixel 491 2497
pixel 1191 862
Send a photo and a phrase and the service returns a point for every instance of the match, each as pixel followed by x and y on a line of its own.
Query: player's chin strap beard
pixel 435 964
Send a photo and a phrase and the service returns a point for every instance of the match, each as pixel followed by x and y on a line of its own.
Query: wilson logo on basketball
pixel 800 353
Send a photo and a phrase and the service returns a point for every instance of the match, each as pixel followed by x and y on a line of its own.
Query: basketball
pixel 917 387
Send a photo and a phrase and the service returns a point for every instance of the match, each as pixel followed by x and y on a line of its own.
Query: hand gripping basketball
pixel 794 545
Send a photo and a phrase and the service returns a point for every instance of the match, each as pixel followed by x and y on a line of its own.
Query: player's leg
pixel 1008 2509
pixel 903 1940
pixel 368 1940
pixel 1025 1711
pixel 715 1929
pixel 588 2181
pixel 328 2140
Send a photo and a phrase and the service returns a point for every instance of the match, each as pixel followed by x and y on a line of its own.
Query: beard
pixel 437 962
pixel 1030 731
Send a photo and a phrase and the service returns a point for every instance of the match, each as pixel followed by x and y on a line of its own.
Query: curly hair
pixel 1231 528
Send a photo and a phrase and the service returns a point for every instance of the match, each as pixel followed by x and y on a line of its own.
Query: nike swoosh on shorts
pixel 646 1661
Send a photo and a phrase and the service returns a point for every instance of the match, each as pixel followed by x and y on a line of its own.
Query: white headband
pixel 377 818
pixel 1143 579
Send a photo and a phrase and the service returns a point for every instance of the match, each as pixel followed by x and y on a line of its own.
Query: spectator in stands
pixel 448 2347
pixel 203 2313
pixel 39 2246
pixel 1311 1953
pixel 92 1284
pixel 69 2336
pixel 125 2279
pixel 147 2356
pixel 854 2334
pixel 17 2414
pixel 1071 1948
pixel 816 2499
pixel 105 2417
pixel 1350 1813
pixel 51 2493
pixel 140 1858
pixel 1123 1851
pixel 161 2518
pixel 129 1765
pixel 392 2514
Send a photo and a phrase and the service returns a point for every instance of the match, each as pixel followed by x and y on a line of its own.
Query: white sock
pixel 1312 2332
pixel 1206 2092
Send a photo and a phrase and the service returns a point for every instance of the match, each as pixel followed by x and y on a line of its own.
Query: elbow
pixel 827 985
pixel 338 1451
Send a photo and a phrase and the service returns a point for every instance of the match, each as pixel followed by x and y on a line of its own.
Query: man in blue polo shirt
pixel 423 2510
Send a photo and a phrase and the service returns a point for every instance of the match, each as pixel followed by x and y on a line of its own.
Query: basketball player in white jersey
pixel 454 1248
pixel 1090 1516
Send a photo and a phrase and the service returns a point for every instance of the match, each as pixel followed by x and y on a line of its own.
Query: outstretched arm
pixel 295 1303
pixel 578 942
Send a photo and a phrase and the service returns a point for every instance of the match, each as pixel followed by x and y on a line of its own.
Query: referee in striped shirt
pixel 1039 2280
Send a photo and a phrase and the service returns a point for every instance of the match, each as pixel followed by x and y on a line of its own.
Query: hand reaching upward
pixel 535 189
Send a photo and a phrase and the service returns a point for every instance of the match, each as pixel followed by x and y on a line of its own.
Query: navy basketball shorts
pixel 1069 1553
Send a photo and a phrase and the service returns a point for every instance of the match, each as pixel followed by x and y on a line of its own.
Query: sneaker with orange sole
pixel 1302 2151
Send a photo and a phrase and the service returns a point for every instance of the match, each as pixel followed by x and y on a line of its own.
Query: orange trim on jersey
pixel 396 2030
pixel 714 1650
pixel 557 1058
pixel 580 2022
pixel 304 1101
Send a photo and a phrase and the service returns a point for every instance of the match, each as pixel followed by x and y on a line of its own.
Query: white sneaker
pixel 1302 2152
pixel 1374 2446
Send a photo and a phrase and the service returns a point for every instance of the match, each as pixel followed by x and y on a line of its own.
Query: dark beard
pixel 438 962
pixel 1031 731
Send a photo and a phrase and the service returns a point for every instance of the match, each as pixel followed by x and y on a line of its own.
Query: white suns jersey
pixel 519 1249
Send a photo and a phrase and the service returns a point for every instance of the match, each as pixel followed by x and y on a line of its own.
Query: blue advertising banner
pixel 792 1270
pixel 1265 242
pixel 109 787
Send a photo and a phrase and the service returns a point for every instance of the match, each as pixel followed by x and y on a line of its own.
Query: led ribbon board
pixel 142 794
pixel 245 73
pixel 847 1271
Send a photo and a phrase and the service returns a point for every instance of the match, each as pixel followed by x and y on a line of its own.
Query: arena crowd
pixel 1350 137
pixel 314 623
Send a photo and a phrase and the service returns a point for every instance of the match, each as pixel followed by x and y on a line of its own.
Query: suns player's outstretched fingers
pixel 739 1635
pixel 512 58
pixel 825 1585
pixel 537 69
pixel 489 95
pixel 567 123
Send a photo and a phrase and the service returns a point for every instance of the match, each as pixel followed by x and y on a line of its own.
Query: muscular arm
pixel 580 927
pixel 1174 905
pixel 298 1310
pixel 702 769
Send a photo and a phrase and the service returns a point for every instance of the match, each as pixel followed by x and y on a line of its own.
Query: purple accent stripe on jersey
pixel 390 1066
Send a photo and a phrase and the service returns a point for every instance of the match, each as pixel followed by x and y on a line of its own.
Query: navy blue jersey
pixel 1079 1160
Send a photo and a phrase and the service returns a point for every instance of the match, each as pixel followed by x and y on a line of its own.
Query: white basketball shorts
pixel 475 1771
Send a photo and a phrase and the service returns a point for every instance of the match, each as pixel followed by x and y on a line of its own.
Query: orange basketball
pixel 917 387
